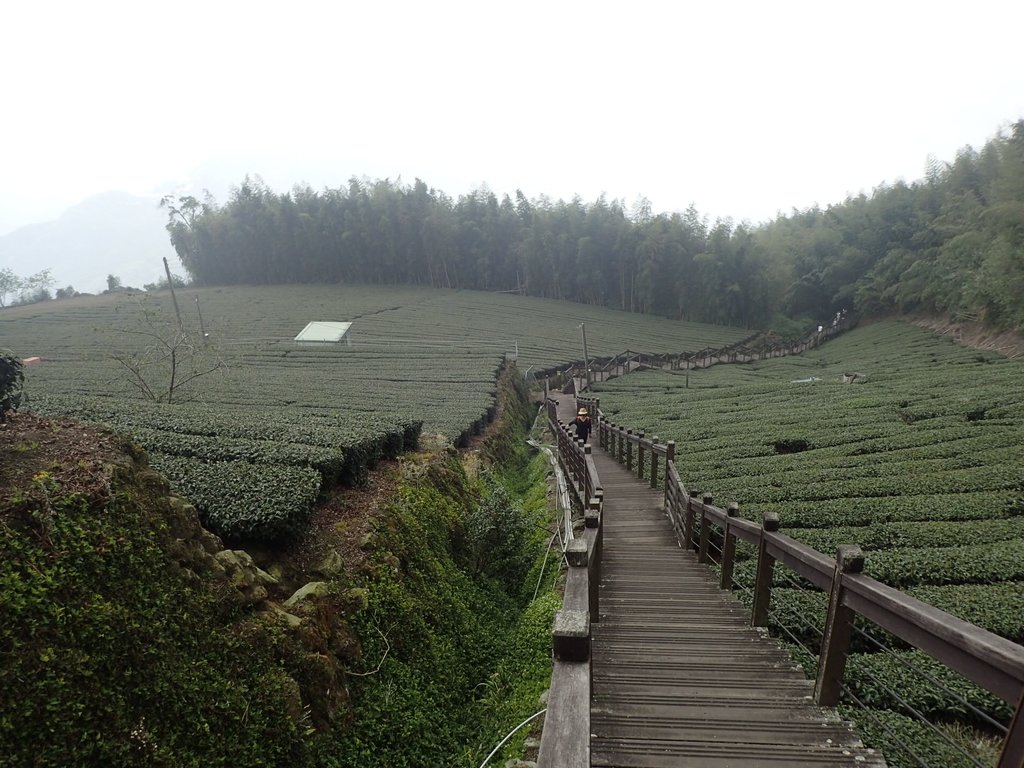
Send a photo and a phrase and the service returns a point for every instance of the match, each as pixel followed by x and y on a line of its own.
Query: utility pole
pixel 202 328
pixel 170 284
pixel 586 357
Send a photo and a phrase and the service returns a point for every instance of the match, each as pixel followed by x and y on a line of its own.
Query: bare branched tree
pixel 167 356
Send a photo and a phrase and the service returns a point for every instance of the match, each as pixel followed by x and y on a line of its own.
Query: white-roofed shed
pixel 325 332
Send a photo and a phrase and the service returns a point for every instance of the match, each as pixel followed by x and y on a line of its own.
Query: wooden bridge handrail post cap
pixel 576 553
pixel 570 636
pixel 707 499
pixel 849 558
pixel 591 517
pixel 587 449
pixel 770 521
pixel 733 510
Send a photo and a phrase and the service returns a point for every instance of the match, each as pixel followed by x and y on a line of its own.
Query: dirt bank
pixel 976 335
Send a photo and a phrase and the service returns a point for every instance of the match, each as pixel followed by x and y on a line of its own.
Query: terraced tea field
pixel 919 460
pixel 252 442
pixel 888 437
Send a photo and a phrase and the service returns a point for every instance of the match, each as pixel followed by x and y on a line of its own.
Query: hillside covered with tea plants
pixel 889 438
pixel 267 422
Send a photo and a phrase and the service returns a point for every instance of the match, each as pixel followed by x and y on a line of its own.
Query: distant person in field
pixel 582 425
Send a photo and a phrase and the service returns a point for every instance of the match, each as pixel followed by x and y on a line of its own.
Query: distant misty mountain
pixel 112 233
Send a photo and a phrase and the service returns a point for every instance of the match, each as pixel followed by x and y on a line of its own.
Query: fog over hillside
pixel 110 233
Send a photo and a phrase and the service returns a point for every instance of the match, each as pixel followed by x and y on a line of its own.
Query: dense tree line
pixel 951 242
pixel 384 232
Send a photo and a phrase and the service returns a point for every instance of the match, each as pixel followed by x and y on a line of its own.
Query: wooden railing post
pixel 670 455
pixel 1012 755
pixel 654 463
pixel 835 645
pixel 592 520
pixel 688 521
pixel 729 548
pixel 570 636
pixel 581 464
pixel 640 456
pixel 588 491
pixel 705 532
pixel 765 573
pixel 629 450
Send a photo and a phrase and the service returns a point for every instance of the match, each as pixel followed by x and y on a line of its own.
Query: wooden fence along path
pixel 599 369
pixel 656 664
pixel 679 677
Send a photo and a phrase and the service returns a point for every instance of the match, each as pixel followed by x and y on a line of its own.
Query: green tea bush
pixel 237 499
pixel 877 679
pixel 906 742
pixel 12 380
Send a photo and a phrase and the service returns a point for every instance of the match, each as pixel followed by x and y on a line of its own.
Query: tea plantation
pixel 888 437
pixel 252 442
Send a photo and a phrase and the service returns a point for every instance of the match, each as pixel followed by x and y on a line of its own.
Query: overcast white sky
pixel 742 108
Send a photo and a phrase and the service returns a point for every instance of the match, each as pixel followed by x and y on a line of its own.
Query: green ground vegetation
pixel 267 413
pixel 427 651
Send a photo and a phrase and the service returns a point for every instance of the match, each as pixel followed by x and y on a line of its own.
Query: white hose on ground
pixel 510 735
pixel 562 492
pixel 545 563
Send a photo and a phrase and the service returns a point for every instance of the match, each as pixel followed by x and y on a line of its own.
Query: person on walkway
pixel 582 425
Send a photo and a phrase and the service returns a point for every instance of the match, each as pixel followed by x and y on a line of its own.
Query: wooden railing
pixel 565 742
pixel 990 661
pixel 605 368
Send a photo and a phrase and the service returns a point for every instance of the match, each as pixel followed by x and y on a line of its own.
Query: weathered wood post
pixel 1012 755
pixel 835 644
pixel 578 555
pixel 688 520
pixel 566 740
pixel 729 547
pixel 587 490
pixel 640 455
pixel 654 463
pixel 670 455
pixel 629 450
pixel 765 573
pixel 705 531
pixel 592 520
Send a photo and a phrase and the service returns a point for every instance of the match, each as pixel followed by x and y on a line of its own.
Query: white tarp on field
pixel 323 330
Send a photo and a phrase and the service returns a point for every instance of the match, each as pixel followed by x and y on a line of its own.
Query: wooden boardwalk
pixel 679 676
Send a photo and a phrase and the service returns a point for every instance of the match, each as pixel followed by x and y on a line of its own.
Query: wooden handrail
pixel 565 740
pixel 603 368
pixel 990 661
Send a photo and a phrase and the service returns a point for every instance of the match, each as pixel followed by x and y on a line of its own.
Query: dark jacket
pixel 582 425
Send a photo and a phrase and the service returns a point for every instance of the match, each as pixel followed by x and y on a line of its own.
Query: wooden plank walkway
pixel 679 676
